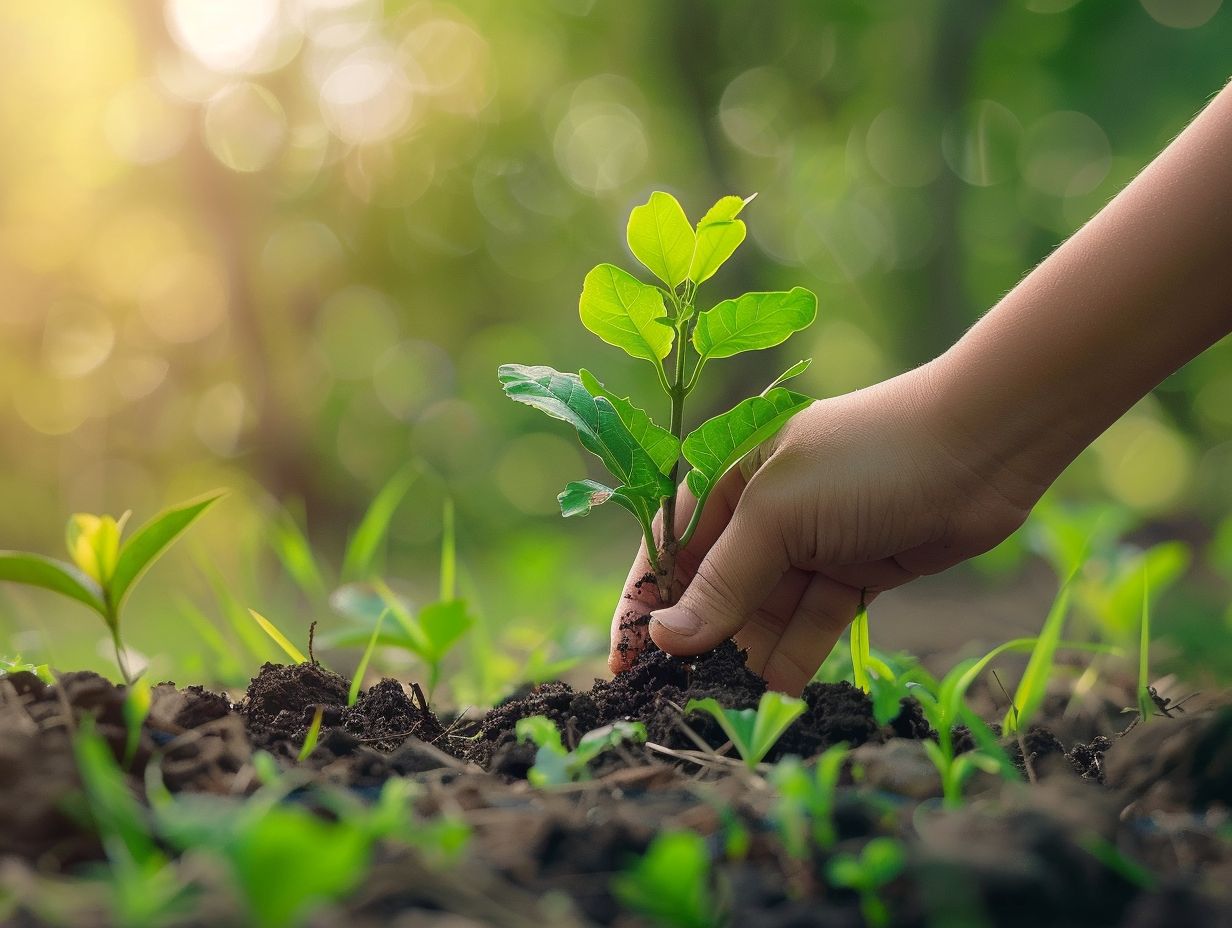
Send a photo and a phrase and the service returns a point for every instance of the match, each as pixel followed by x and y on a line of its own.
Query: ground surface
pixel 1016 854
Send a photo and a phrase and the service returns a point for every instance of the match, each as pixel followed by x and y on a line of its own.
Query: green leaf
pixel 580 496
pixel 148 543
pixel 719 234
pixel 661 238
pixel 882 860
pixel 357 680
pixel 595 742
pixel 671 882
pixel 94 543
pixel 662 446
pixel 625 312
pixel 753 321
pixel 312 735
pixel 442 625
pixel 359 561
pixel 753 731
pixel 794 371
pixel 278 637
pixel 718 444
pixel 860 650
pixel 50 574
pixel 1034 683
pixel 598 425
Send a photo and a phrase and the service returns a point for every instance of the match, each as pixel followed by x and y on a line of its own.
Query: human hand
pixel 861 492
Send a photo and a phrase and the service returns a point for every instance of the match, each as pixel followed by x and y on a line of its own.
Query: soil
pixel 1050 852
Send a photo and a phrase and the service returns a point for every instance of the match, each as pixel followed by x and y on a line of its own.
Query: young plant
pixel 17 665
pixel 753 731
pixel 663 326
pixel 554 765
pixel 312 735
pixel 1034 683
pixel 104 569
pixel 357 681
pixel 879 863
pixel 805 808
pixel 671 883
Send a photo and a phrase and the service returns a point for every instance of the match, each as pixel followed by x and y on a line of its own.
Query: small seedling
pixel 17 665
pixel 670 884
pixel 805 808
pixel 554 765
pixel 357 680
pixel 104 569
pixel 137 699
pixel 657 324
pixel 879 863
pixel 1034 683
pixel 753 732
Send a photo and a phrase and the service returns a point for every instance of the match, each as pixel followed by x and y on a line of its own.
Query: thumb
pixel 734 579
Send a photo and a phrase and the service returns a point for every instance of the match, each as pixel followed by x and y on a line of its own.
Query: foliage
pixel 16 665
pixel 650 322
pixel 137 700
pixel 554 764
pixel 670 883
pixel 878 864
pixel 275 633
pixel 1034 683
pixel 357 681
pixel 805 807
pixel 104 571
pixel 753 732
pixel 312 735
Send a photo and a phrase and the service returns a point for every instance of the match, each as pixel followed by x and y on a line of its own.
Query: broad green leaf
pixel 540 730
pixel 625 312
pixel 278 637
pixel 598 425
pixel 595 742
pixel 737 724
pixel 94 543
pixel 50 574
pixel 662 446
pixel 359 561
pixel 442 625
pixel 719 234
pixel 794 371
pixel 753 321
pixel 150 541
pixel 718 444
pixel 753 731
pixel 580 496
pixel 661 238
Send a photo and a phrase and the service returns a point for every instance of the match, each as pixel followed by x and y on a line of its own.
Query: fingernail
pixel 677 621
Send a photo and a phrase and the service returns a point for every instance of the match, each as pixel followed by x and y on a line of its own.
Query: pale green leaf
pixel 753 321
pixel 718 444
pixel 149 542
pixel 598 425
pixel 794 371
pixel 719 234
pixel 359 561
pixel 580 496
pixel 662 446
pixel 93 543
pixel 625 312
pixel 661 238
pixel 442 625
pixel 50 574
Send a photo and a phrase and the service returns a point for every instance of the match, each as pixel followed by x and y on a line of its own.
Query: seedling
pixel 357 680
pixel 554 765
pixel 312 736
pixel 805 808
pixel 670 884
pixel 136 709
pixel 879 863
pixel 1146 693
pixel 753 732
pixel 1034 683
pixel 663 326
pixel 17 665
pixel 104 570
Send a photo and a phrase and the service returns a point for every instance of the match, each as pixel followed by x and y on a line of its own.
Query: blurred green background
pixel 282 245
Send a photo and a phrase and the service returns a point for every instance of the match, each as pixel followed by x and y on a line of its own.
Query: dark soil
pixel 1014 855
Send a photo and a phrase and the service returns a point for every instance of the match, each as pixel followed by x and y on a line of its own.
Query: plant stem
pixel 665 575
pixel 119 654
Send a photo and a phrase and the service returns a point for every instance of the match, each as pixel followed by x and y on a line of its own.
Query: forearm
pixel 1142 288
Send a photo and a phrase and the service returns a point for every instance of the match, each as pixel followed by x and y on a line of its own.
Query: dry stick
pixel 312 632
pixel 1022 744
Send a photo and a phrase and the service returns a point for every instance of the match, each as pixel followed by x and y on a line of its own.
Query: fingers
pixel 631 620
pixel 825 610
pixel 743 566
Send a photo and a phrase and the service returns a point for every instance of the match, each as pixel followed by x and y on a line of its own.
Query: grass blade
pixel 1146 705
pixel 150 541
pixel 358 679
pixel 449 553
pixel 314 732
pixel 860 649
pixel 1034 683
pixel 278 637
pixel 362 551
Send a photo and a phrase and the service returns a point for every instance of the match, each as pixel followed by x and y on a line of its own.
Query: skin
pixel 911 476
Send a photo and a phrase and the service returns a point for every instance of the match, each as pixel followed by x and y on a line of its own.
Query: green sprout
pixel 753 732
pixel 670 883
pixel 275 633
pixel 1034 683
pixel 137 701
pixel 312 735
pixel 104 569
pixel 357 681
pixel 805 808
pixel 878 864
pixel 15 664
pixel 1146 700
pixel 664 326
pixel 554 765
